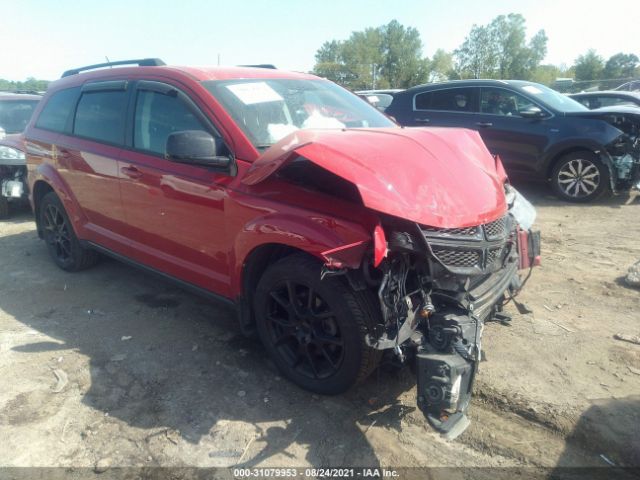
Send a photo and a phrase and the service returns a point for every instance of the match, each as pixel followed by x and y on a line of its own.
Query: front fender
pixel 319 236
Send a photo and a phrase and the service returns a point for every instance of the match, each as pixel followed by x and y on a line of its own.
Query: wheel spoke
pixel 579 167
pixel 291 290
pixel 572 170
pixel 570 186
pixel 310 299
pixel 280 321
pixel 311 362
pixel 281 301
pixel 590 183
pixel 328 357
pixel 576 192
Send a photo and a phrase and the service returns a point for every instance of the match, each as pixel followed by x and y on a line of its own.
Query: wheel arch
pixel 253 267
pixel 40 189
pixel 555 158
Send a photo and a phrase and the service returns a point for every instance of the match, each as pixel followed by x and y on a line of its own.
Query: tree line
pixel 390 56
pixel 30 84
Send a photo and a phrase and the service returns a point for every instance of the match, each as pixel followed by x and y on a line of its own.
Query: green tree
pixel 382 57
pixel 500 50
pixel 441 66
pixel 620 65
pixel 477 56
pixel 589 66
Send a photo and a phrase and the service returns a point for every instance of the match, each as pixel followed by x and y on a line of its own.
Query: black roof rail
pixel 143 62
pixel 261 65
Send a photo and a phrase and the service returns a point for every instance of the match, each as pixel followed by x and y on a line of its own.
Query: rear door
pixel 87 156
pixel 175 212
pixel 449 107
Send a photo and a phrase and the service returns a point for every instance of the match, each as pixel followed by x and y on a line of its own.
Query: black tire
pixel 319 344
pixel 4 207
pixel 580 177
pixel 61 240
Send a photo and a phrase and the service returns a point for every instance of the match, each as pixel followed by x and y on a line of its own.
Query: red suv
pixel 339 236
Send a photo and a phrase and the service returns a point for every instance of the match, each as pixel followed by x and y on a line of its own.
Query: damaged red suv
pixel 339 236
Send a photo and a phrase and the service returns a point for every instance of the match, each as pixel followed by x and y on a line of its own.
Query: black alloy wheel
pixel 314 330
pixel 303 329
pixel 63 245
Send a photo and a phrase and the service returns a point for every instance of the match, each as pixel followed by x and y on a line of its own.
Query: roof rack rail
pixel 261 65
pixel 143 62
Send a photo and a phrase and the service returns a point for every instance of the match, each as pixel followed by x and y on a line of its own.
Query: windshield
pixel 553 99
pixel 269 109
pixel 15 114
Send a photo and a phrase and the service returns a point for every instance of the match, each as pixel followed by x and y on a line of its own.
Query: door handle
pixel 131 172
pixel 422 120
pixel 484 124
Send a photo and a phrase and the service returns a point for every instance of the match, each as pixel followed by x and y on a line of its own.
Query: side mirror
pixel 532 112
pixel 197 147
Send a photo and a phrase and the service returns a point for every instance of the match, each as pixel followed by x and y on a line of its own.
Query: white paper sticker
pixel 254 92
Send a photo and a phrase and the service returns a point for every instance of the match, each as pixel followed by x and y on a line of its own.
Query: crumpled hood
pixel 441 177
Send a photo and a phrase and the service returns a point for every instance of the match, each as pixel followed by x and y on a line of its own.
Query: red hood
pixel 441 177
pixel 13 140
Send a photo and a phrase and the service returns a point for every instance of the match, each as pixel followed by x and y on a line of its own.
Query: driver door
pixel 174 211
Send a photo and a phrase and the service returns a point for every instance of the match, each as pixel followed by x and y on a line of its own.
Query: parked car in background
pixel 15 112
pixel 338 235
pixel 607 98
pixel 633 86
pixel 538 133
pixel 380 99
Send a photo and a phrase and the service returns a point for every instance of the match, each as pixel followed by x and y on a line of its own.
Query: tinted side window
pixel 55 114
pixel 100 116
pixel 158 115
pixel 498 101
pixel 423 100
pixel 450 99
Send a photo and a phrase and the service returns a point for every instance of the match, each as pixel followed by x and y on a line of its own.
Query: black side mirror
pixel 197 147
pixel 532 112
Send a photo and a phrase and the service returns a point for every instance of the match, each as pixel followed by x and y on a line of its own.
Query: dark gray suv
pixel 538 133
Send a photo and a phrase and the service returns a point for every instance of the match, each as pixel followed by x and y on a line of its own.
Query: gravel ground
pixel 112 367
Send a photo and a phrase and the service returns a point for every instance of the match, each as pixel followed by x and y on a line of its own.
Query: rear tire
pixel 62 243
pixel 4 208
pixel 317 340
pixel 580 177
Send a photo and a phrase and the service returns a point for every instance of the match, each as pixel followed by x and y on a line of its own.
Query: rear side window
pixel 157 116
pixel 55 114
pixel 100 116
pixel 451 100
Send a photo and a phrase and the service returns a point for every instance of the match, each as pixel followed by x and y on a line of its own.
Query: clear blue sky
pixel 43 38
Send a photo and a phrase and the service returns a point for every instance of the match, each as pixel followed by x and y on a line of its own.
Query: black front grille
pixel 453 232
pixel 472 250
pixel 458 258
pixel 496 229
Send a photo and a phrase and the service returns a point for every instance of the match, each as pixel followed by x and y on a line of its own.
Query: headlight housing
pixel 10 153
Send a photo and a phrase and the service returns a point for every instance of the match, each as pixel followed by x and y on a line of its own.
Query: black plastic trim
pixel 142 62
pixel 181 283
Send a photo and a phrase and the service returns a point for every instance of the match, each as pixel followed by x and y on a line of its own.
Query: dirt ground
pixel 114 367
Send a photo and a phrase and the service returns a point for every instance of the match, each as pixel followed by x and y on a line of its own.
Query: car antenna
pixel 108 61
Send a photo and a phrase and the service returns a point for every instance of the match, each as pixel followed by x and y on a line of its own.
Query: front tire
pixel 580 177
pixel 314 330
pixel 62 243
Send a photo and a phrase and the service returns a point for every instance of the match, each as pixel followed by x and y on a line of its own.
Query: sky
pixel 42 38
